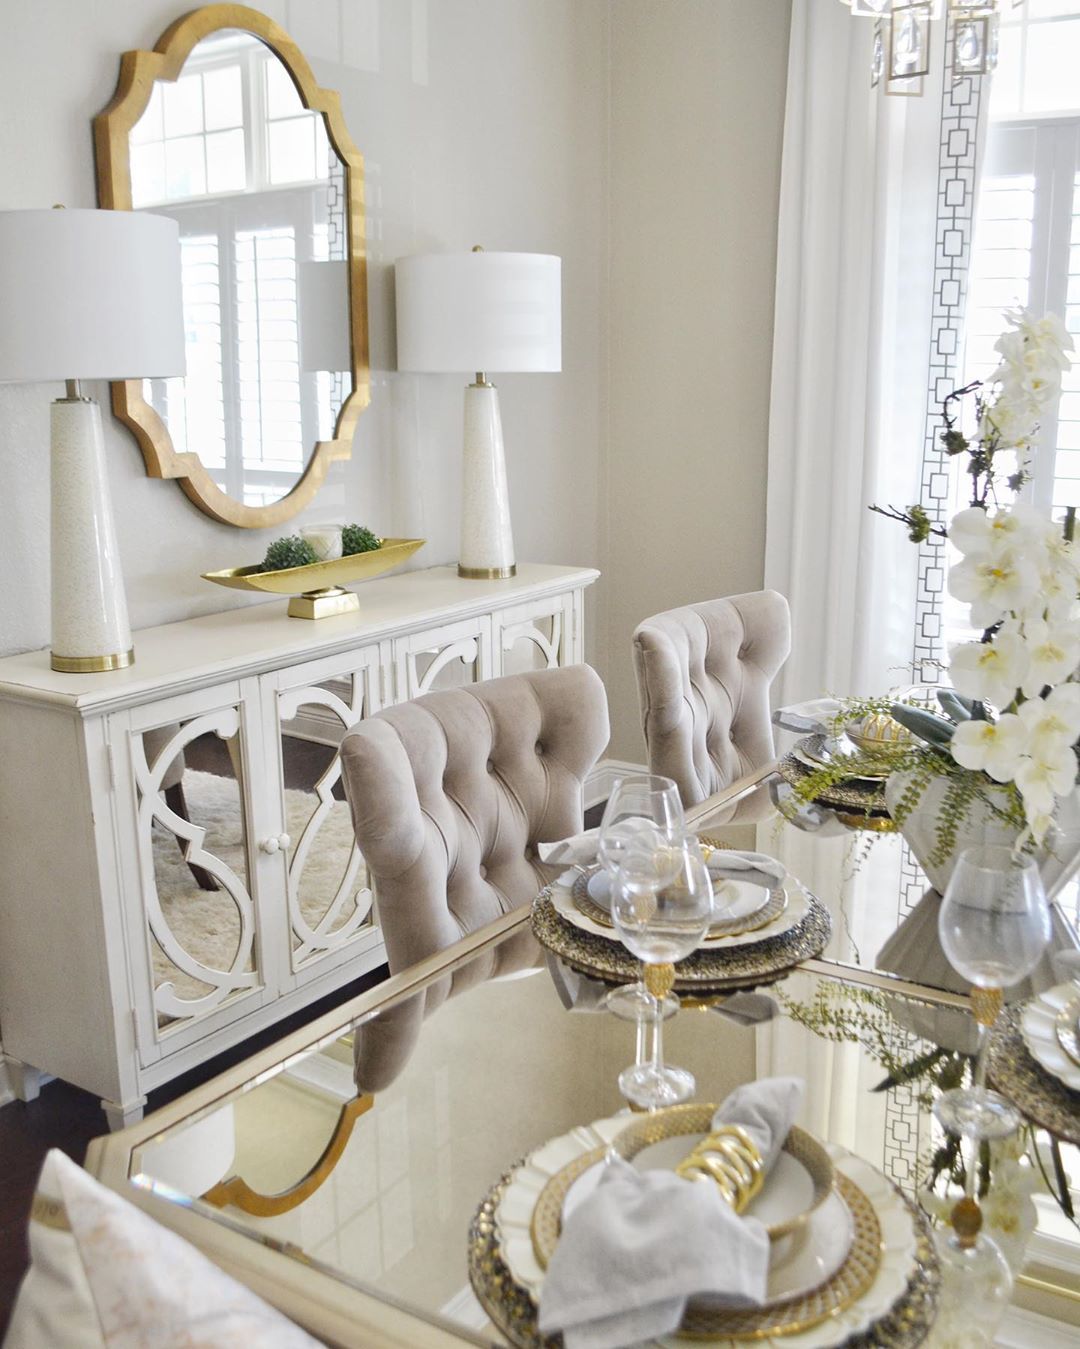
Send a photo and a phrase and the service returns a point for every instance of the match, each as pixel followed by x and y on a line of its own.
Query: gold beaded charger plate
pixel 894 1312
pixel 800 1182
pixel 1041 1097
pixel 741 962
pixel 756 906
pixel 852 795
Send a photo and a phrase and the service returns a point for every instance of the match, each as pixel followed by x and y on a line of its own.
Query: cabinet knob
pixel 285 841
pixel 270 845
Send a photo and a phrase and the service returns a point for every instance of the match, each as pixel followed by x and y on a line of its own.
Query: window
pixel 232 154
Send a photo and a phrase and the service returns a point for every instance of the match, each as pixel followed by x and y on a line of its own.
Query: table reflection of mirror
pixel 223 128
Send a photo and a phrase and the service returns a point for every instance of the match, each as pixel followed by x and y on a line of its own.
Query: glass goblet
pixel 994 924
pixel 644 813
pixel 660 917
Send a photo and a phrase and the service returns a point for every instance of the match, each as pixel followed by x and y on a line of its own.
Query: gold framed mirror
pixel 224 128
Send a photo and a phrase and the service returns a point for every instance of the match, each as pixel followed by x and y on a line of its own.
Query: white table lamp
pixel 87 294
pixel 482 312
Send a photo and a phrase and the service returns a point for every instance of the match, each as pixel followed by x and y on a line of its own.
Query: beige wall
pixel 697 106
pixel 480 121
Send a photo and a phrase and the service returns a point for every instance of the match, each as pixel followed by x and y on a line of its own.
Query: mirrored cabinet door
pixel 194 924
pixel 540 635
pixel 328 898
pixel 443 658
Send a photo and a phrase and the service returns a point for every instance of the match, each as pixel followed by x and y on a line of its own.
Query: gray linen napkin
pixel 634 1250
pixel 809 717
pixel 580 851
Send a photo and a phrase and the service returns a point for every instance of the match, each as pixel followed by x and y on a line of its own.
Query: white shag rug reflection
pixel 206 923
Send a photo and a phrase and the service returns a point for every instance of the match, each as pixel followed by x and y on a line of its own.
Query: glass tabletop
pixel 365 1150
pixel 883 909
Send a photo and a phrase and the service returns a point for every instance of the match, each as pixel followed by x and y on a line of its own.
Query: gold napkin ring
pixel 730 1157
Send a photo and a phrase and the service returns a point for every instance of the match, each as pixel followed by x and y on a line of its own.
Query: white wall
pixel 481 121
pixel 638 139
pixel 697 108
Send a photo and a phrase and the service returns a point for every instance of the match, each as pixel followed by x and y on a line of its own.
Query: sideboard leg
pixel 25 1080
pixel 121 1115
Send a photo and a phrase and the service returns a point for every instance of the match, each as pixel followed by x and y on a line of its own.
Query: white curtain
pixel 855 274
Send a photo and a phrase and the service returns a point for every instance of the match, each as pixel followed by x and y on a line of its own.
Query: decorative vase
pixel 1058 857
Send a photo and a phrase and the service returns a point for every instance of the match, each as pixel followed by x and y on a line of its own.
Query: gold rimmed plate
pixel 800 1182
pixel 756 906
pixel 821 1260
pixel 814 753
pixel 891 1260
pixel 1067 1028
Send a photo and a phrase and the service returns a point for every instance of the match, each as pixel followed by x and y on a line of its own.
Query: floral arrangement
pixel 1014 718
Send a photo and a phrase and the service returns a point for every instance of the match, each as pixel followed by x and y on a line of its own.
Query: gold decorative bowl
pixel 316 589
pixel 880 733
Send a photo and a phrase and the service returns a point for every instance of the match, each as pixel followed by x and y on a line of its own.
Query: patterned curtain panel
pixel 877 206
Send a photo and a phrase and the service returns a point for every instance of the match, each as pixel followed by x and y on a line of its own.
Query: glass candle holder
pixel 325 540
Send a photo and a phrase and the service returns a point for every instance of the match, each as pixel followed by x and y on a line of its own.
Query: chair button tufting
pixel 530 852
pixel 490 766
pixel 483 873
pixel 539 747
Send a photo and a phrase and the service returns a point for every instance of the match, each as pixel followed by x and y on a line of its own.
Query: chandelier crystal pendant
pixel 900 55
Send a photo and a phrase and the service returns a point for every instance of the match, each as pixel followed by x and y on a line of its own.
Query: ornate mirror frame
pixel 139 70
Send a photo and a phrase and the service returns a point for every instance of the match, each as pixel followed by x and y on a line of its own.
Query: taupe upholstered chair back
pixel 703 675
pixel 451 793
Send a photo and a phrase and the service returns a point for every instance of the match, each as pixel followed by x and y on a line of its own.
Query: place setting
pixel 1034 1058
pixel 757 921
pixel 721 1222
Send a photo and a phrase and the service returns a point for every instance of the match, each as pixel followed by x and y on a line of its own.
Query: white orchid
pixel 1041 780
pixel 994 583
pixel 1053 720
pixel 978 533
pixel 1053 651
pixel 992 747
pixel 991 671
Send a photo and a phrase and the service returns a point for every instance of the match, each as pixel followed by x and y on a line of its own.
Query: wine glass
pixel 994 923
pixel 643 812
pixel 661 905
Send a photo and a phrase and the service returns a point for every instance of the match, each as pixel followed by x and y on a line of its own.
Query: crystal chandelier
pixel 902 37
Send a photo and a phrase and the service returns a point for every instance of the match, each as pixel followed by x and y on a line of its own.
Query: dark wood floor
pixel 65 1117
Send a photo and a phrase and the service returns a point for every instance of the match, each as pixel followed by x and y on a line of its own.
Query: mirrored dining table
pixel 342 1172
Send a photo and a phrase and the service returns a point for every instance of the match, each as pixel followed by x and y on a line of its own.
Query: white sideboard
pixel 143 928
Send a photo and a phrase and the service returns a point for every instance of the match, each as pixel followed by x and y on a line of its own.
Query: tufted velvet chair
pixel 703 675
pixel 451 792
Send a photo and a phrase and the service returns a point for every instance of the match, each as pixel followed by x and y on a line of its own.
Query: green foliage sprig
pixel 292 551
pixel 358 539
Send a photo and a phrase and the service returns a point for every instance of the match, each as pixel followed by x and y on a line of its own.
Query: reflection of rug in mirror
pixel 206 922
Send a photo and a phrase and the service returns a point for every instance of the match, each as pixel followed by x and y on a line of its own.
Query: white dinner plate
pixel 1038 1025
pixel 735 899
pixel 798 906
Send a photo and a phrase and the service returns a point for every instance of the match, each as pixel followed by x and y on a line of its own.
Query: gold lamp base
pixel 324 603
pixel 487 573
pixel 115 660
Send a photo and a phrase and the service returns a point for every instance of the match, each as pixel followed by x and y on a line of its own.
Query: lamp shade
pixel 87 294
pixel 464 312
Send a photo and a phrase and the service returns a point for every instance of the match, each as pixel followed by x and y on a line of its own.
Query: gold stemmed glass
pixel 661 905
pixel 994 924
pixel 644 813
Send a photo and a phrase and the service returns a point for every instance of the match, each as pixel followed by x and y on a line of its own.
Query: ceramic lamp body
pixel 90 628
pixel 487 542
